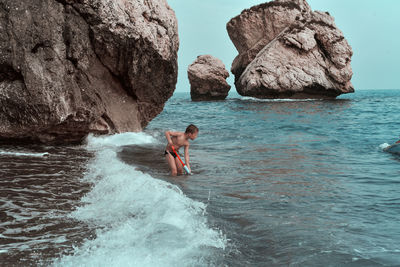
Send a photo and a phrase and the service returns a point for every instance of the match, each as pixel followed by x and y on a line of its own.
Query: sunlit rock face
pixel 287 50
pixel 69 68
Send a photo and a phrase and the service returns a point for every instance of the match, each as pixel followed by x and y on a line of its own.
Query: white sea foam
pixel 139 220
pixel 23 154
pixel 254 99
pixel 384 145
pixel 116 140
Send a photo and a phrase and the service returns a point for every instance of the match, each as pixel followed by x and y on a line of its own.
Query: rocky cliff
pixel 207 77
pixel 72 67
pixel 287 50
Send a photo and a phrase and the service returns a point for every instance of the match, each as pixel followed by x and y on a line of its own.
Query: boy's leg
pixel 179 166
pixel 171 163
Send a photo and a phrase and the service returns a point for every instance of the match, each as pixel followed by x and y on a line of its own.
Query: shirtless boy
pixel 176 140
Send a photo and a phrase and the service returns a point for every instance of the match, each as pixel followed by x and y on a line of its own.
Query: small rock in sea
pixel 207 76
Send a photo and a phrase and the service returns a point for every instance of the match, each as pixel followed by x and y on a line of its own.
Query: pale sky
pixel 371 27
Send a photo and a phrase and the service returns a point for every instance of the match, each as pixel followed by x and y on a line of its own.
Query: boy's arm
pixel 187 157
pixel 168 135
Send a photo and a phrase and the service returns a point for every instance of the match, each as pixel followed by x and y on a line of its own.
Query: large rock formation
pixel 207 76
pixel 287 50
pixel 71 67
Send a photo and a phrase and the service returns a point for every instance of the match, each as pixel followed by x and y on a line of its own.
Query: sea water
pixel 275 183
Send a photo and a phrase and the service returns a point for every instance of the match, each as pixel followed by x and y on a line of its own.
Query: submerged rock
pixel 69 68
pixel 394 149
pixel 287 50
pixel 207 76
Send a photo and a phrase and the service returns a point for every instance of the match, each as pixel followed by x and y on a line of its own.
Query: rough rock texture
pixel 207 76
pixel 287 50
pixel 71 67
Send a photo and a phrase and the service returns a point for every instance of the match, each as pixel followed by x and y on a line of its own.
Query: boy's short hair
pixel 192 129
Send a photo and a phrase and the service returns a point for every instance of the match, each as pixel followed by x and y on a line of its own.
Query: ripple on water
pixel 37 190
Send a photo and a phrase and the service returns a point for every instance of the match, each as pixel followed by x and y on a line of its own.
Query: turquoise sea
pixel 275 183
